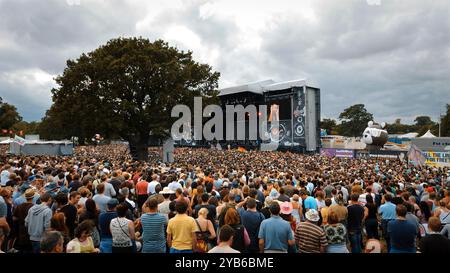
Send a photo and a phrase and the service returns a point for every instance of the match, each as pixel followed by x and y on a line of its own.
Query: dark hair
pixel 213 201
pixel 205 197
pixel 328 202
pixel 369 199
pixel 251 203
pixel 423 205
pixel 45 197
pixel 401 210
pixel 181 207
pixel 388 197
pixel 61 198
pixel 100 188
pixel 225 233
pixel 74 194
pixel 85 226
pixel 274 208
pixel 158 188
pixel 91 207
pixel 122 209
pixel 209 187
pixel 49 240
pixel 172 205
pixel 152 203
pixel 354 197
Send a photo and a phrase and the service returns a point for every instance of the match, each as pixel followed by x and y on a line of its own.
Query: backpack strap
pixel 198 225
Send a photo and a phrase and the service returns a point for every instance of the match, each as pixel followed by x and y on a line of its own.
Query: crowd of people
pixel 220 201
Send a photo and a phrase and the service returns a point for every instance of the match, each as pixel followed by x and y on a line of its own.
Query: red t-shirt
pixel 141 187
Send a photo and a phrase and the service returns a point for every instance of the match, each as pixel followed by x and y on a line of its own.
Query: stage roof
pixel 254 87
pixel 261 87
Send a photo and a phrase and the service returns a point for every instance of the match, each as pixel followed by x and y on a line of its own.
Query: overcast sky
pixel 393 57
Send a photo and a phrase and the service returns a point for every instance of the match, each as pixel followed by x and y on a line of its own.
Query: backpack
pixel 202 239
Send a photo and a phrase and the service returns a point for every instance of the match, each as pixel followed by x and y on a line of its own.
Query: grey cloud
pixel 394 57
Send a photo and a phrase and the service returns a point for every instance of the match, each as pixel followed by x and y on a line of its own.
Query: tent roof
pixel 285 85
pixel 428 134
pixel 7 141
pixel 254 87
pixel 262 86
pixel 408 135
pixel 11 140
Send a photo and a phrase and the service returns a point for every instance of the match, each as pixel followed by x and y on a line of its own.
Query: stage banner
pixel 298 116
pixel 437 159
pixel 280 134
pixel 381 154
pixel 344 153
pixel 328 152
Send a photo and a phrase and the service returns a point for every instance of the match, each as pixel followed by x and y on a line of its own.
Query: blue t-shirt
pixel 275 232
pixel 387 211
pixel 310 203
pixel 103 222
pixel 402 234
pixel 101 201
pixel 252 221
pixel 153 227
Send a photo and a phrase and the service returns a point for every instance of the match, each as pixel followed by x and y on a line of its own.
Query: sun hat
pixel 312 215
pixel 29 193
pixel 286 208
pixel 268 201
pixel 166 190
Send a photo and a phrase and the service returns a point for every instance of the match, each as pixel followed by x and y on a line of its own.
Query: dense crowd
pixel 215 201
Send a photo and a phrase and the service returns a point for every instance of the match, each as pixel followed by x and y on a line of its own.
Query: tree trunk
pixel 139 148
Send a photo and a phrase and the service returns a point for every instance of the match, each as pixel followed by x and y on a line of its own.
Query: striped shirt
pixel 153 227
pixel 310 238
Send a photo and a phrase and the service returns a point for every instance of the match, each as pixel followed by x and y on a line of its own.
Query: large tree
pixel 8 115
pixel 399 128
pixel 445 123
pixel 354 120
pixel 423 124
pixel 329 125
pixel 127 88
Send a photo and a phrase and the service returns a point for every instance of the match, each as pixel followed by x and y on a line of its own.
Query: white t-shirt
pixel 4 177
pixel 151 187
pixel 223 249
pixel 362 198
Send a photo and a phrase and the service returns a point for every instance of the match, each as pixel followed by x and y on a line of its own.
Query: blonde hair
pixel 203 212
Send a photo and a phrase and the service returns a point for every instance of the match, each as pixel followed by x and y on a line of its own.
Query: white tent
pixel 428 134
pixel 409 135
pixel 7 141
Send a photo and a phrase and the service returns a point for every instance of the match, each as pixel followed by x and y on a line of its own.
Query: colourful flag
pixel 19 140
pixel 241 149
pixel 416 156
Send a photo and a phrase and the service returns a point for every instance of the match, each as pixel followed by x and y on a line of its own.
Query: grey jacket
pixel 38 220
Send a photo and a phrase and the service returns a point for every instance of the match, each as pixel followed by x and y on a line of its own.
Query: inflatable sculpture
pixel 375 135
